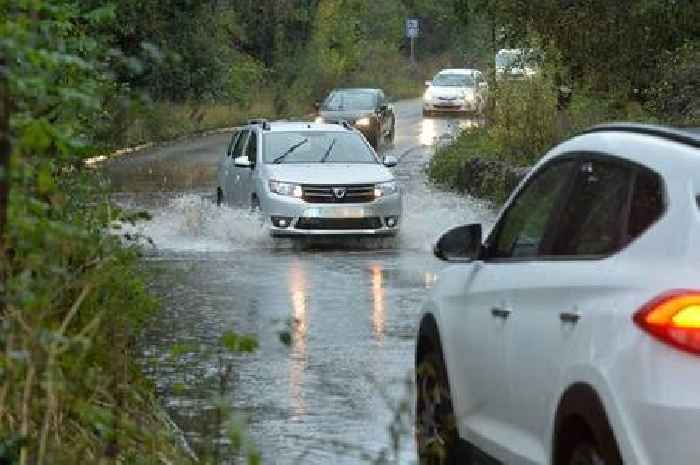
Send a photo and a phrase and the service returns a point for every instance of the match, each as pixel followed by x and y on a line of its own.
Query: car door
pixel 482 313
pixel 226 163
pixel 232 191
pixel 246 181
pixel 553 293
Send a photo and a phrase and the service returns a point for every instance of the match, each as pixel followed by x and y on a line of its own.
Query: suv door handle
pixel 568 317
pixel 500 313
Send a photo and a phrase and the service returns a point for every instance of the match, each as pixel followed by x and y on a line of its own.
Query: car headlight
pixel 319 120
pixel 385 188
pixel 286 188
pixel 363 121
pixel 428 95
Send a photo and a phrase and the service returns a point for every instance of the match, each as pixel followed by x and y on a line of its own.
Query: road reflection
pixel 433 130
pixel 378 309
pixel 297 289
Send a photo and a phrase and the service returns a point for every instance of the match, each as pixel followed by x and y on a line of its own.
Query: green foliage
pixel 675 95
pixel 73 298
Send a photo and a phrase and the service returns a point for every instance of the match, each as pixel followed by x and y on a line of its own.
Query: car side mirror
pixel 460 244
pixel 390 160
pixel 384 107
pixel 428 83
pixel 242 162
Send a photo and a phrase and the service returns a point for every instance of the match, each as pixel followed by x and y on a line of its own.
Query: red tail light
pixel 674 318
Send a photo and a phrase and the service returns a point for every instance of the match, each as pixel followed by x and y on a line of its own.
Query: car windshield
pixel 519 58
pixel 341 100
pixel 453 80
pixel 506 59
pixel 316 147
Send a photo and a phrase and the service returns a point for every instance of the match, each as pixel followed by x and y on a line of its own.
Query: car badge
pixel 339 192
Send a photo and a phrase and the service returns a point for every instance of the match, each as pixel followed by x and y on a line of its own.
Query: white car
pixel 310 179
pixel 518 63
pixel 571 335
pixel 456 90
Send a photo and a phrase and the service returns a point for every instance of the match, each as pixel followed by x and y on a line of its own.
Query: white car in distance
pixel 571 335
pixel 456 90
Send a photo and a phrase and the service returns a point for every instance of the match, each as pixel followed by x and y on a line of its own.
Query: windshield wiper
pixel 328 151
pixel 291 149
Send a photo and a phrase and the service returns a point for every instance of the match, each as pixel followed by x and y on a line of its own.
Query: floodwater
pixel 335 321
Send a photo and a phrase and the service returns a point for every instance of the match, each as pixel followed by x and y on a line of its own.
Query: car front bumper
pixel 291 217
pixel 449 105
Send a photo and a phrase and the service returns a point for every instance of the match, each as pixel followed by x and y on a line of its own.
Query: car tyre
pixel 219 197
pixel 437 438
pixel 426 112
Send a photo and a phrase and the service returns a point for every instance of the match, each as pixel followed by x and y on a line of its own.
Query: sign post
pixel 412 31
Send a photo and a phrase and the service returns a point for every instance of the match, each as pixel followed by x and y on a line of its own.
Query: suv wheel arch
pixel 581 418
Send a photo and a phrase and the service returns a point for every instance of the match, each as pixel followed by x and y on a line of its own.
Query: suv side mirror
pixel 460 244
pixel 242 162
pixel 390 160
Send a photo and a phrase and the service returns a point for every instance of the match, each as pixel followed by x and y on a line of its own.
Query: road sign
pixel 412 28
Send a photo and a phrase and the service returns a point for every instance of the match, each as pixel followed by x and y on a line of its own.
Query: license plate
pixel 335 212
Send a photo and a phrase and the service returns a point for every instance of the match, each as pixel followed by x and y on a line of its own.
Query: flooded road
pixel 335 322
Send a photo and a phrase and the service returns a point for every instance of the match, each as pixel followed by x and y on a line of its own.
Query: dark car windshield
pixel 316 147
pixel 350 100
pixel 453 80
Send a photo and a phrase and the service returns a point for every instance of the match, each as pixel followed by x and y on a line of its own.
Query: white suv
pixel 571 335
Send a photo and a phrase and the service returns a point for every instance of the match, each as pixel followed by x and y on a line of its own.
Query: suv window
pixel 647 203
pixel 593 219
pixel 252 148
pixel 521 231
pixel 240 143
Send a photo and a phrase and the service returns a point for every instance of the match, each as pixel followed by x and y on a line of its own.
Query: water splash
pixel 193 223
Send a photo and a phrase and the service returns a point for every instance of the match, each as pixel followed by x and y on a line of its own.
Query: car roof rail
pixel 689 136
pixel 261 122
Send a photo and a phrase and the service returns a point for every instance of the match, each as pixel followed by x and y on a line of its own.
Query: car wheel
pixel 219 197
pixel 426 112
pixel 436 428
pixel 586 454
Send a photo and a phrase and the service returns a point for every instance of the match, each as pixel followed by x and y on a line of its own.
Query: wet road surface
pixel 335 321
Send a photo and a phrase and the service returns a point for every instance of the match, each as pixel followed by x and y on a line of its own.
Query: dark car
pixel 366 109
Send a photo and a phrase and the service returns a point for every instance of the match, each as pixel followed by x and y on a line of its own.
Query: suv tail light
pixel 674 318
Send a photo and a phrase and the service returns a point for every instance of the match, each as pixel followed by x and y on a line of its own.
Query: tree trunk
pixel 5 150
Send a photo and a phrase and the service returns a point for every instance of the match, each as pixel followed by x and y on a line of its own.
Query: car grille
pixel 329 224
pixel 325 194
